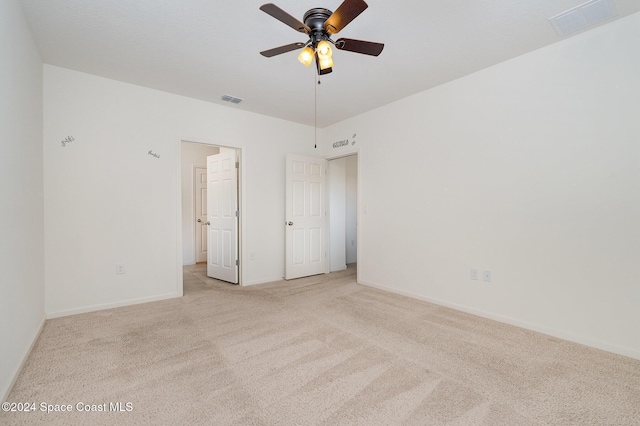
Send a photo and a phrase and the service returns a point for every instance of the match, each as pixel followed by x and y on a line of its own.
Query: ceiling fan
pixel 319 24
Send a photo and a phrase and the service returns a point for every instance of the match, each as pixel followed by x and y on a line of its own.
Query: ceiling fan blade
pixel 282 49
pixel 360 46
pixel 284 17
pixel 345 13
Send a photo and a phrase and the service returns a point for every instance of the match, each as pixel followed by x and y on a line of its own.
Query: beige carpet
pixel 320 350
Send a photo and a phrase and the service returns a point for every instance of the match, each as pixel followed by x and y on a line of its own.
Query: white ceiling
pixel 208 48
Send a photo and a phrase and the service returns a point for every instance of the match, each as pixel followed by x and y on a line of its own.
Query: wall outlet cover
pixel 473 274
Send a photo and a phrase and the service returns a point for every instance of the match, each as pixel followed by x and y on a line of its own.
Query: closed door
pixel 200 197
pixel 305 216
pixel 222 216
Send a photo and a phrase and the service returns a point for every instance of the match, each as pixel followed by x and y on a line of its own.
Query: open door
pixel 305 216
pixel 222 216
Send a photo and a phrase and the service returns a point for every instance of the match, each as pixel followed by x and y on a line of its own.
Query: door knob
pixel 206 223
pixel 199 221
pixel 290 223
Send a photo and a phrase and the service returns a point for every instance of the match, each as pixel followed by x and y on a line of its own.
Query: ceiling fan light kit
pixel 319 24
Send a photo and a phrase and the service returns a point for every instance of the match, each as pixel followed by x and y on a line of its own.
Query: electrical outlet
pixel 486 276
pixel 473 274
pixel 119 269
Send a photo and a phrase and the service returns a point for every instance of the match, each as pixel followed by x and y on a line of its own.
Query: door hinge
pixel 237 213
pixel 237 262
pixel 237 165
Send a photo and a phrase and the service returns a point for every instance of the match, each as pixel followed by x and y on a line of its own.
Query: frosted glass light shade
pixel 324 50
pixel 306 56
pixel 325 62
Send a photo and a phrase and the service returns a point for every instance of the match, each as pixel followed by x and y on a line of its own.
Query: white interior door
pixel 200 197
pixel 222 216
pixel 305 216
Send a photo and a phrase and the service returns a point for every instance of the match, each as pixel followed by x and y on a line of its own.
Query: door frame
pixel 241 159
pixel 356 152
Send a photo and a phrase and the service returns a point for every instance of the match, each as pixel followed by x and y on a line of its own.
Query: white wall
pixel 108 202
pixel 21 187
pixel 529 169
pixel 191 155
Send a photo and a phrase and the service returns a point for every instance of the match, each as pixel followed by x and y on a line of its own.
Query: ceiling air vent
pixel 231 99
pixel 583 16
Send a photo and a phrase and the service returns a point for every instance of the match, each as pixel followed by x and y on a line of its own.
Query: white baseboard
pixel 5 392
pixel 94 308
pixel 620 350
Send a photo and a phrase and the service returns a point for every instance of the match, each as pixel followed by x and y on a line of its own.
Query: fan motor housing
pixel 315 19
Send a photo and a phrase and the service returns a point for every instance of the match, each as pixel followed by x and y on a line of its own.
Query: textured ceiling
pixel 208 48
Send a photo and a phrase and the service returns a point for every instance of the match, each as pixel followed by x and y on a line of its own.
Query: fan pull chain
pixel 315 112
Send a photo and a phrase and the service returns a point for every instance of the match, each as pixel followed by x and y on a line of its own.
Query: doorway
pixel 194 243
pixel 343 212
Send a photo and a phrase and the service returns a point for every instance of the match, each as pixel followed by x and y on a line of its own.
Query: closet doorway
pixel 343 212
pixel 196 246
